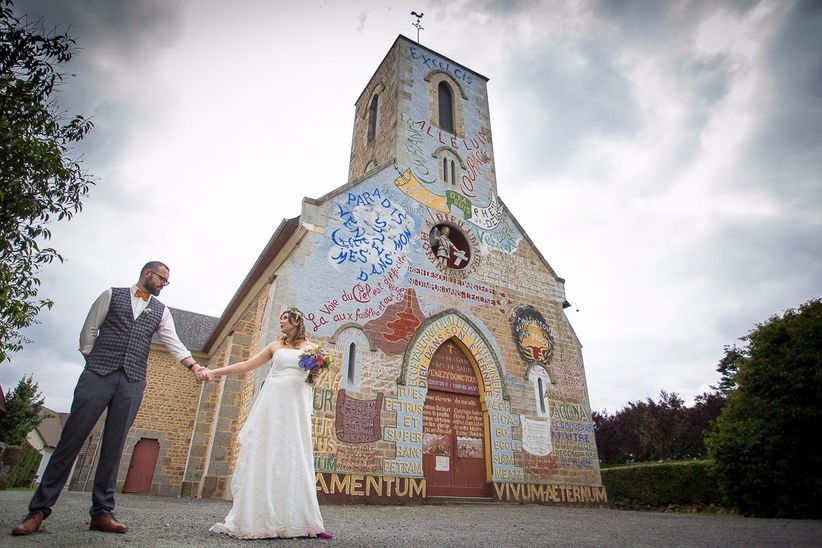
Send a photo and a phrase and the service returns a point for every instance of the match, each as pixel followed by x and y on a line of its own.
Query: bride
pixel 273 484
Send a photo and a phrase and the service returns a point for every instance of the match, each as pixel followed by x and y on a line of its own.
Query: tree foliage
pixel 41 181
pixel 766 445
pixel 666 429
pixel 24 412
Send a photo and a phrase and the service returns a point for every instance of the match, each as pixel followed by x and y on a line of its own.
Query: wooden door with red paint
pixel 453 435
pixel 141 468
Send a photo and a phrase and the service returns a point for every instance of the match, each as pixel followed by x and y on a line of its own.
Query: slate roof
pixel 52 428
pixel 193 329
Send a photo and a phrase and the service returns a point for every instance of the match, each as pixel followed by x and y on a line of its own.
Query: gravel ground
pixel 162 521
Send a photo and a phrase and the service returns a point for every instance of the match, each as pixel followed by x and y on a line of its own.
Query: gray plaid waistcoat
pixel 123 341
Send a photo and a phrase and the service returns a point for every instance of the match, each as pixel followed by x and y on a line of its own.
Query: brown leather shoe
pixel 30 524
pixel 107 524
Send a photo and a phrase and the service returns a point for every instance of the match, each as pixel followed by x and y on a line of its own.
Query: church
pixel 457 371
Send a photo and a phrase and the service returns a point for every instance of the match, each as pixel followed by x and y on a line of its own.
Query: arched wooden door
pixel 141 468
pixel 453 457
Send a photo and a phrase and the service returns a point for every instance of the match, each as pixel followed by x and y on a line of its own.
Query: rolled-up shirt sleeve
pixel 168 334
pixel 96 317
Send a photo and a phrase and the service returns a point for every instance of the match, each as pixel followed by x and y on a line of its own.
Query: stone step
pixel 460 500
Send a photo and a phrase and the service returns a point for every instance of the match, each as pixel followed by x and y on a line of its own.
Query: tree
pixel 766 443
pixel 41 181
pixel 24 412
pixel 650 430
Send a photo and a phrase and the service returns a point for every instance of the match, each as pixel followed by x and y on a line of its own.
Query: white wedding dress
pixel 273 484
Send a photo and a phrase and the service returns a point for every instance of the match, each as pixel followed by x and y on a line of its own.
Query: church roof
pixel 270 251
pixel 193 329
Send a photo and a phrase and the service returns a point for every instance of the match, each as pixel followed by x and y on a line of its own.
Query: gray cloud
pixel 571 92
pixel 785 153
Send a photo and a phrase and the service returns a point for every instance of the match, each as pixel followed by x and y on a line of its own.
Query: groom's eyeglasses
pixel 162 278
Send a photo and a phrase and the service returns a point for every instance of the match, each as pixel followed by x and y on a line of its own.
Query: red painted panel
pixel 451 371
pixel 141 468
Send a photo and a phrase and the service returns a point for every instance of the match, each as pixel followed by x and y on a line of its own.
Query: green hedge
pixel 26 467
pixel 655 485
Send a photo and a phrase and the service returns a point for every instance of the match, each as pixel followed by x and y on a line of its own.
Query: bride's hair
pixel 295 316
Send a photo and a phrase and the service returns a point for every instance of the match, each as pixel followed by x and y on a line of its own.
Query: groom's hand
pixel 200 373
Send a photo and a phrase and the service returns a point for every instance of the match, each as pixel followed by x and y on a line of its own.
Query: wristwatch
pixel 190 367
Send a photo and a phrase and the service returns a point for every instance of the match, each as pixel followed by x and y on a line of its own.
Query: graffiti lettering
pixel 473 163
pixel 434 63
pixel 371 223
pixel 368 486
pixel 316 324
pixel 548 493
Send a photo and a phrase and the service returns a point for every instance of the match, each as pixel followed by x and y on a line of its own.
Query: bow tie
pixel 140 294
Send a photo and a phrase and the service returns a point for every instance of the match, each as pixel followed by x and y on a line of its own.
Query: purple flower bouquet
pixel 315 360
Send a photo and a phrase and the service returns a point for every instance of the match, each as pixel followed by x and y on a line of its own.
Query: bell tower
pixel 426 117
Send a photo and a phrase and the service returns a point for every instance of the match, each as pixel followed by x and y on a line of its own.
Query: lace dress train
pixel 273 486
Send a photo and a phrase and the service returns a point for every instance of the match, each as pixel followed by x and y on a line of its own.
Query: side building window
pixel 373 108
pixel 446 107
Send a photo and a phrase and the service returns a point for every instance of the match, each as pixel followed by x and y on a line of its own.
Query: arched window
pixel 372 118
pixel 446 104
pixel 541 383
pixel 451 165
pixel 541 389
pixel 352 363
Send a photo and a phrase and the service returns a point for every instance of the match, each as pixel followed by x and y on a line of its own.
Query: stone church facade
pixel 458 372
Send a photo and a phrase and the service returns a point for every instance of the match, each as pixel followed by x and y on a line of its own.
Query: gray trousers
pixel 93 394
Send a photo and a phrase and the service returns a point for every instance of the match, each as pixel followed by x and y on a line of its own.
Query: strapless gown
pixel 273 486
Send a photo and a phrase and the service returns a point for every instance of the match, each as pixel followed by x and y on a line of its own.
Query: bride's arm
pixel 248 365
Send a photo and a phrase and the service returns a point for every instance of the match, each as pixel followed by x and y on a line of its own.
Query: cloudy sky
pixel 665 157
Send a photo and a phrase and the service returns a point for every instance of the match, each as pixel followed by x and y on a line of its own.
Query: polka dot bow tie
pixel 140 294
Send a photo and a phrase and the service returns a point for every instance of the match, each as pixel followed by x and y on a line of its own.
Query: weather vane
pixel 417 24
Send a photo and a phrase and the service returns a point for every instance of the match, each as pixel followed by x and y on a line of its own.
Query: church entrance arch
pixel 453 370
pixel 453 459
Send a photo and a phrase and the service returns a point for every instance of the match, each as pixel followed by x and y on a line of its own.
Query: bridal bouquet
pixel 315 360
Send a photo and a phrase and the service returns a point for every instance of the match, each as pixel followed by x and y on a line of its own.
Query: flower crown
pixel 295 312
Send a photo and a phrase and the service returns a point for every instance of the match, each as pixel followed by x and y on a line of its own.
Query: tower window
pixel 372 119
pixel 446 104
pixel 447 160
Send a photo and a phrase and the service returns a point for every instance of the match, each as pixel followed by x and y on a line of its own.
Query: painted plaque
pixel 536 437
pixel 358 421
pixel 532 335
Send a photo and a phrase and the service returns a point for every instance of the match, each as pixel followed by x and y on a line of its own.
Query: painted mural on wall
pixel 532 336
pixel 404 248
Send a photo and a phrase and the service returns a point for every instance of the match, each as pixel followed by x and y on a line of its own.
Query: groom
pixel 115 342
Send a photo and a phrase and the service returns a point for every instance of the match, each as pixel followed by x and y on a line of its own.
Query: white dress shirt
pixel 99 310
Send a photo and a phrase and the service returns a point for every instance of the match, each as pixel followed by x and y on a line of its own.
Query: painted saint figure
pixel 444 245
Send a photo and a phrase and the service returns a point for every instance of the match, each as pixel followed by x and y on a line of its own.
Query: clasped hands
pixel 202 374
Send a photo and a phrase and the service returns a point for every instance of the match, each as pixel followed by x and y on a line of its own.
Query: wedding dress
pixel 273 484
